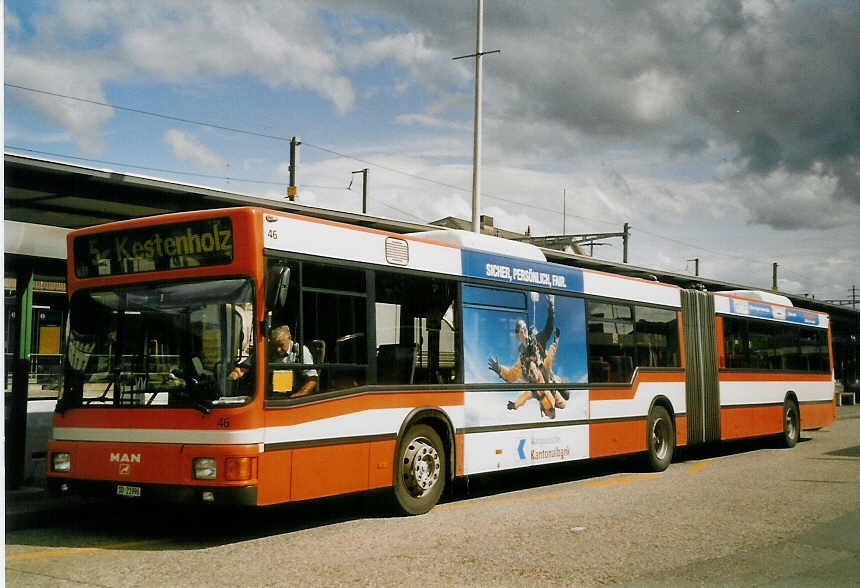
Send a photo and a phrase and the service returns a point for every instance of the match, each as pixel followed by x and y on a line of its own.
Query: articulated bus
pixel 245 356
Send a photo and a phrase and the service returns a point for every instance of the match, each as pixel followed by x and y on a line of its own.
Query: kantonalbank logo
pixel 189 243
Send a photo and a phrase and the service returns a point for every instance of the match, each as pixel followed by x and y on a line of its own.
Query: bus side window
pixel 415 330
pixel 334 324
pixel 611 342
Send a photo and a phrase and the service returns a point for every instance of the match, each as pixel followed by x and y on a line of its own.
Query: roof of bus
pixel 444 237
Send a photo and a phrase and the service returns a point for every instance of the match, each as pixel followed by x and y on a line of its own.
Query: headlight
pixel 203 468
pixel 61 461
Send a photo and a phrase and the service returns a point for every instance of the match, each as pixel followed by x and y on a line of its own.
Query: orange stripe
pixel 246 417
pixel 275 472
pixel 681 430
pixel 614 438
pixel 458 441
pixel 698 466
pixel 484 502
pixel 750 421
pixel 366 401
pixel 314 472
pixel 620 480
pixel 817 414
pixel 721 344
pixel 56 552
pixel 629 392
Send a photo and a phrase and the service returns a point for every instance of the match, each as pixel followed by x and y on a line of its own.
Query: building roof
pixel 46 192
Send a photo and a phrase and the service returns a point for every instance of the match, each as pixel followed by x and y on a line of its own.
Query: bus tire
pixel 790 424
pixel 419 470
pixel 661 439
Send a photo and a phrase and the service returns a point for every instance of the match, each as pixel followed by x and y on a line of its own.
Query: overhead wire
pixel 288 139
pixel 391 169
pixel 207 176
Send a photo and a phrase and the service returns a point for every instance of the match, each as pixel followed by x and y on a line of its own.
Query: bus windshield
pixel 164 345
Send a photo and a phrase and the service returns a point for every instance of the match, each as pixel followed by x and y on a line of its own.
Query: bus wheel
pixel 419 472
pixel 790 424
pixel 661 439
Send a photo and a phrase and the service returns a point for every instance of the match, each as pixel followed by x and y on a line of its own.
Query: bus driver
pixel 286 350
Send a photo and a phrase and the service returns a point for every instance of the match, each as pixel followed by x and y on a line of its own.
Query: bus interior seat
pixel 318 350
pixel 396 363
pixel 199 370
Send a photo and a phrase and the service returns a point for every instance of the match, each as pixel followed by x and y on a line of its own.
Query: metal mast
pixel 476 152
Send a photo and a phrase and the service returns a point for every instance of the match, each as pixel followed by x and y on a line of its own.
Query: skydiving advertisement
pixel 523 337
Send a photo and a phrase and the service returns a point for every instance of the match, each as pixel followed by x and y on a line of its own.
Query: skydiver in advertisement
pixel 534 364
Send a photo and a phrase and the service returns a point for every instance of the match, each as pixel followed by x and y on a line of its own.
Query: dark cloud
pixel 778 82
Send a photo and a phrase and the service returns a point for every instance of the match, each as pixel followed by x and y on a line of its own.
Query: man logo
pixel 124 469
pixel 124 457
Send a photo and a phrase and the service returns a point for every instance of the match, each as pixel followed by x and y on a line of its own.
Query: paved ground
pixel 749 514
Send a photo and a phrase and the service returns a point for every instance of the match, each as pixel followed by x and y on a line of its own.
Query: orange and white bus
pixel 410 359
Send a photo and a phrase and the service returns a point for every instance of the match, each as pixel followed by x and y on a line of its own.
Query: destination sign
pixel 158 248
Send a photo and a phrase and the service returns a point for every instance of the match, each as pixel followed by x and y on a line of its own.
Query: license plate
pixel 133 491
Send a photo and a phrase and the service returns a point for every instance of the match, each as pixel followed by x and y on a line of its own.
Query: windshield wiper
pixel 198 404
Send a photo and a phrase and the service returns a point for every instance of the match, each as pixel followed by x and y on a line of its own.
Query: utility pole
pixel 291 189
pixel 775 283
pixel 363 173
pixel 564 213
pixel 626 237
pixel 476 153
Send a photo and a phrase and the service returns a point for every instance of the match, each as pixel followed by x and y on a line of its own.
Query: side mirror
pixel 278 285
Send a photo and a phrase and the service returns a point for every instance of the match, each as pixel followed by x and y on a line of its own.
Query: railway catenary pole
pixel 476 151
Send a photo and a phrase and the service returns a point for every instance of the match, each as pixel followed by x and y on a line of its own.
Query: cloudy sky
pixel 727 131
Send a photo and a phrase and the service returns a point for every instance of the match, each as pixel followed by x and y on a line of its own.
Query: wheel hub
pixel 659 439
pixel 789 423
pixel 421 467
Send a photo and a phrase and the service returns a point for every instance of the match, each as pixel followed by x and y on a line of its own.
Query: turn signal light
pixel 239 468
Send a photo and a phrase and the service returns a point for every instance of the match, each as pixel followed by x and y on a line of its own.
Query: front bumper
pixel 157 493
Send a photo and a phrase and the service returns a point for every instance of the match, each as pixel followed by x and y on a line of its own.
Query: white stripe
pixel 190 436
pixel 338 242
pixel 640 403
pixel 626 289
pixel 740 393
pixel 365 423
pixel 383 421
